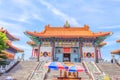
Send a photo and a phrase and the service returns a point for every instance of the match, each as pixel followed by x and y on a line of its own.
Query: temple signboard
pixel 46 44
pixel 66 44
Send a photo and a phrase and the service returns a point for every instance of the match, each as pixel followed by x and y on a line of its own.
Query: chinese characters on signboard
pixel 67 44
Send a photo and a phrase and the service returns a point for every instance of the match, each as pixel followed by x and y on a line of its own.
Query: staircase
pixel 113 70
pixel 40 72
pixel 83 75
pixel 21 71
pixel 93 70
pixel 53 74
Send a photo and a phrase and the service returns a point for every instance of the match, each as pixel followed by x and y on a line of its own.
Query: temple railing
pixel 94 71
pixel 110 69
pixel 31 75
pixel 6 68
pixel 39 73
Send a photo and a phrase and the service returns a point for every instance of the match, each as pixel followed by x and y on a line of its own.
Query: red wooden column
pixel 53 46
pixel 32 51
pixel 39 52
pixel 100 53
pixel 81 52
pixel 96 53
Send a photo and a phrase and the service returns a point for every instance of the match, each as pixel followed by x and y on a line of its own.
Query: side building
pixel 34 50
pixel 73 44
pixel 116 52
pixel 11 51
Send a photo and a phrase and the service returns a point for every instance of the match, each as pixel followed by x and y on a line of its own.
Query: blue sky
pixel 18 16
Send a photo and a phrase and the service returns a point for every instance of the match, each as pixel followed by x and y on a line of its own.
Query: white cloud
pixel 18 17
pixel 15 29
pixel 110 27
pixel 21 2
pixel 11 26
pixel 0 2
pixel 23 46
pixel 114 0
pixel 57 12
pixel 17 34
pixel 21 11
pixel 116 35
pixel 110 43
pixel 30 11
pixel 91 9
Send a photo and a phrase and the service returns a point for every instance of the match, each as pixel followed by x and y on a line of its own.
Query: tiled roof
pixel 5 31
pixel 102 43
pixel 115 51
pixel 118 40
pixel 31 42
pixel 67 32
pixel 8 54
pixel 12 46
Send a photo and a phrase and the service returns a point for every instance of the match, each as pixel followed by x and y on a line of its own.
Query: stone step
pixel 21 70
pixel 51 76
pixel 109 68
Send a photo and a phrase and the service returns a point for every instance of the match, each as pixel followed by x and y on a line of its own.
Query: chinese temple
pixel 117 51
pixel 67 43
pixel 11 50
pixel 34 50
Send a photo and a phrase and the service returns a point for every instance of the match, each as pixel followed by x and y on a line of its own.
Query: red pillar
pixel 96 54
pixel 81 52
pixel 53 45
pixel 32 51
pixel 39 52
pixel 100 53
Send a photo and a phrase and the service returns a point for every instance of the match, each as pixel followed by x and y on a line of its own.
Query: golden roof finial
pixel 47 26
pixel 86 26
pixel 67 25
pixel 66 21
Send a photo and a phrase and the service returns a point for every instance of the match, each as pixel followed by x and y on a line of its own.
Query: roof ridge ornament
pixel 67 25
pixel 86 26
pixel 47 26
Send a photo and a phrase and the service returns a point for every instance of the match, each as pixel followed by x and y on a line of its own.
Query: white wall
pixel 48 50
pixel 90 50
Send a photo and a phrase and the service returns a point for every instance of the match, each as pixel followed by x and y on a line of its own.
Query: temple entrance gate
pixel 66 57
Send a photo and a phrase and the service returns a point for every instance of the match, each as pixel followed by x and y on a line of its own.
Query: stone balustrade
pixel 5 68
pixel 94 71
pixel 21 71
pixel 40 72
pixel 113 70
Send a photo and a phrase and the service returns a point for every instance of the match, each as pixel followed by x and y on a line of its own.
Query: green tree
pixel 3 46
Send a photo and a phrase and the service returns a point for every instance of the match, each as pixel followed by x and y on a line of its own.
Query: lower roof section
pixel 8 54
pixel 116 51
pixel 118 41
pixel 13 47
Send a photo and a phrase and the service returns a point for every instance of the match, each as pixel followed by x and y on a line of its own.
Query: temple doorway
pixel 66 57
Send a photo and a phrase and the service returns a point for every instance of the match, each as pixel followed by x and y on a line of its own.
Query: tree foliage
pixel 3 46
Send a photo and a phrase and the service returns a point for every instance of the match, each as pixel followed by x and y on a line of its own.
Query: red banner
pixel 66 50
